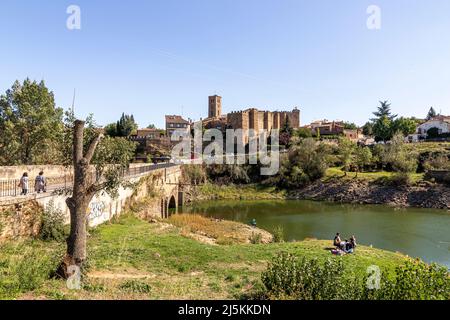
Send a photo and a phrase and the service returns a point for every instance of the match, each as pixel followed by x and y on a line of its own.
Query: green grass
pixel 333 173
pixel 429 147
pixel 133 259
pixel 240 192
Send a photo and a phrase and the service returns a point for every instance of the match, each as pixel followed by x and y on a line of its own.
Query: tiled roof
pixel 176 119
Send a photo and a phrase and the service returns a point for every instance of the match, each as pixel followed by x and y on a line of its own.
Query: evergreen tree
pixel 384 110
pixel 383 129
pixel 126 125
pixel 431 114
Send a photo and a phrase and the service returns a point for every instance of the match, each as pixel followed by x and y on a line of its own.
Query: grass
pixel 428 147
pixel 133 259
pixel 337 173
pixel 240 192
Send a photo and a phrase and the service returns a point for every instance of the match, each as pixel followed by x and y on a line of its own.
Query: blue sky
pixel 152 58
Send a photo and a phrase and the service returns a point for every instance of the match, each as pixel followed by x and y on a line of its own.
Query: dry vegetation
pixel 219 231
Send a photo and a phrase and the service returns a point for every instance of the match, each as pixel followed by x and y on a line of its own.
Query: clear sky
pixel 152 58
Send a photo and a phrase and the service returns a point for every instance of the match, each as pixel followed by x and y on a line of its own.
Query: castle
pixel 249 119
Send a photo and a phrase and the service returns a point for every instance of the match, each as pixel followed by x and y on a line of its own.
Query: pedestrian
pixel 40 183
pixel 23 184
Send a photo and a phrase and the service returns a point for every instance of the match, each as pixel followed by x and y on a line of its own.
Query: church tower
pixel 215 106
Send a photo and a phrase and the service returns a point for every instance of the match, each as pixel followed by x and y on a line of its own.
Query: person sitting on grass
pixel 337 240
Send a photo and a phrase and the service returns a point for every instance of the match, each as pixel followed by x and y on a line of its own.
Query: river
pixel 422 233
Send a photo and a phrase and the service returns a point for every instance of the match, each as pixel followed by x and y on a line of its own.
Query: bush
pixel 194 174
pixel 401 178
pixel 256 238
pixel 416 280
pixel 306 162
pixel 289 277
pixel 278 234
pixel 52 227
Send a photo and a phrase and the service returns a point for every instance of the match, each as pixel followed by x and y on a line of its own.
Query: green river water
pixel 422 233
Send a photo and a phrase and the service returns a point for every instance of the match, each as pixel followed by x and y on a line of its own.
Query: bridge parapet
pixel 164 179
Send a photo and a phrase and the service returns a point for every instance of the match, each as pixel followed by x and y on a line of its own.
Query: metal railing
pixel 10 187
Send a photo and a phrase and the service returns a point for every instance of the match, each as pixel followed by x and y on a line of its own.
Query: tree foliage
pixel 124 127
pixel 431 114
pixel 406 126
pixel 368 129
pixel 397 156
pixel 350 126
pixel 305 162
pixel 30 125
pixel 346 152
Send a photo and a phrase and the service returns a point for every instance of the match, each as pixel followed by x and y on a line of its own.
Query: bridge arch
pixel 172 205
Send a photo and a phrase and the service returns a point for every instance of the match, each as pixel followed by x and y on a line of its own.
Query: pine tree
pixel 431 114
pixel 384 110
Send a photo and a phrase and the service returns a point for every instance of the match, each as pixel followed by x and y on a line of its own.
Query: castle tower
pixel 215 106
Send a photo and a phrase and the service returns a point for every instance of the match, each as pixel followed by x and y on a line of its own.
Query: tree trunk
pixel 78 204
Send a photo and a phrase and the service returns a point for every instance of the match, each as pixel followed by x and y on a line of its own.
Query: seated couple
pixel 346 246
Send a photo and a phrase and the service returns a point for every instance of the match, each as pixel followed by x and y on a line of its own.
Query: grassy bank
pixel 378 176
pixel 133 259
pixel 238 192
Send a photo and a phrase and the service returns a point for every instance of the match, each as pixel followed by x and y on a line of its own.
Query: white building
pixel 441 123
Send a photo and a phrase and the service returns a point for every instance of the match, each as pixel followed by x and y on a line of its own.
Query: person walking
pixel 23 184
pixel 40 183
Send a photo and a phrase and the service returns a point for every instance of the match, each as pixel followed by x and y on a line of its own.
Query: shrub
pixel 194 174
pixel 52 227
pixel 278 234
pixel 289 277
pixel 401 178
pixel 255 238
pixel 306 162
pixel 416 280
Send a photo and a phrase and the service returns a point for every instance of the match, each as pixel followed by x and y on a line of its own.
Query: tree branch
pixel 96 187
pixel 92 147
pixel 78 134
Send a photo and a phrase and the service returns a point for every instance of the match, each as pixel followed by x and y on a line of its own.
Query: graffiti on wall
pixel 96 210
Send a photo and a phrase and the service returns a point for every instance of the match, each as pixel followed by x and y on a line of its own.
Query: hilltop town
pixel 155 144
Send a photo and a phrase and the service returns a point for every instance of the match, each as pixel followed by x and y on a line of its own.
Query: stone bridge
pixel 158 186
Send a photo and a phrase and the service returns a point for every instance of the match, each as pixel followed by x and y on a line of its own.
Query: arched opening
pixel 172 205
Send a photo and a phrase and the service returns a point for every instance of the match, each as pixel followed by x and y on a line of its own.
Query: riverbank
pixel 342 190
pixel 424 195
pixel 135 259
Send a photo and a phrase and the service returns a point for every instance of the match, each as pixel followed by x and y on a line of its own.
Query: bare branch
pixel 92 147
pixel 78 134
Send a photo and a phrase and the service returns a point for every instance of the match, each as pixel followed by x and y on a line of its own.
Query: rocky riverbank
pixel 423 195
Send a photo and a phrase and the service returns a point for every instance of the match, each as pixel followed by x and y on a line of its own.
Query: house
pixel 174 123
pixel 327 128
pixel 354 135
pixel 440 124
pixel 149 133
